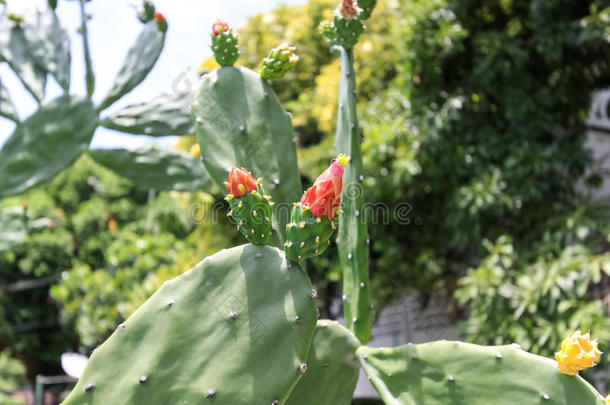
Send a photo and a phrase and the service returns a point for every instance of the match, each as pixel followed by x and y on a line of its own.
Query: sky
pixel 112 30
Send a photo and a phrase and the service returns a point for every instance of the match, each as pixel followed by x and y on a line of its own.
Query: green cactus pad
pixel 332 368
pixel 234 330
pixel 279 61
pixel 306 235
pixel 252 214
pixel 240 122
pixel 367 7
pixel 225 48
pixel 347 31
pixel 441 373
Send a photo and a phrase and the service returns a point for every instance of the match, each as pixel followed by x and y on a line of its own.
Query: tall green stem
pixel 89 76
pixel 353 234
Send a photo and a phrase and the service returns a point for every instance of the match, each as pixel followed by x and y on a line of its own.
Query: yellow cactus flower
pixel 577 353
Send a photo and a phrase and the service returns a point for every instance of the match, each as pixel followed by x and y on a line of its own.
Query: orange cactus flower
pixel 159 18
pixel 577 353
pixel 324 197
pixel 240 182
pixel 219 26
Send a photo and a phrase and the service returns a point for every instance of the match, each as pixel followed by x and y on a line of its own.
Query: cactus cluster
pixel 279 62
pixel 240 327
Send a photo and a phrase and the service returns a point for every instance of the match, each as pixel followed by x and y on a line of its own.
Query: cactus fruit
pixel 240 122
pixel 367 7
pixel 332 368
pixel 279 61
pixel 234 330
pixel 161 22
pixel 224 43
pixel 577 353
pixel 146 12
pixel 311 223
pixel 251 208
pixel 347 25
pixel 441 373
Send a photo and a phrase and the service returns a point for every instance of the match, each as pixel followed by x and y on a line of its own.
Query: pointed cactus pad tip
pixel 578 352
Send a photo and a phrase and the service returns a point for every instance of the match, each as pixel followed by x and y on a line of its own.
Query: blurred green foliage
pixel 12 377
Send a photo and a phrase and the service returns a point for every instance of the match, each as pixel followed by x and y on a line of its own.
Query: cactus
pixel 279 61
pixel 577 353
pixel 224 44
pixel 353 234
pixel 367 7
pixel 347 25
pixel 251 208
pixel 240 122
pixel 236 329
pixel 332 367
pixel 441 373
pixel 311 223
pixel 146 12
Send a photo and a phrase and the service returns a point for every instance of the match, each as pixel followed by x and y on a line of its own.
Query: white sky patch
pixel 112 31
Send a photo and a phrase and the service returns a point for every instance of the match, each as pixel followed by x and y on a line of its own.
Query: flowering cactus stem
pixel 352 235
pixel 444 372
pixel 222 333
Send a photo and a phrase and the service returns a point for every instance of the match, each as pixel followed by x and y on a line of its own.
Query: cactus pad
pixel 307 235
pixel 234 330
pixel 441 373
pixel 252 214
pixel 279 61
pixel 346 31
pixel 332 368
pixel 367 7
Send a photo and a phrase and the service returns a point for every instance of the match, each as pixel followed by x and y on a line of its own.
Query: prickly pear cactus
pixel 251 208
pixel 347 25
pixel 332 368
pixel 224 44
pixel 307 235
pixel 236 329
pixel 441 373
pixel 367 7
pixel 279 62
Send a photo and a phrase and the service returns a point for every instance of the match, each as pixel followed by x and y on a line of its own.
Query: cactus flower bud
pixel 250 207
pixel 347 9
pixel 219 26
pixel 324 197
pixel 279 61
pixel 224 43
pixel 161 21
pixel 311 223
pixel 240 182
pixel 146 12
pixel 577 353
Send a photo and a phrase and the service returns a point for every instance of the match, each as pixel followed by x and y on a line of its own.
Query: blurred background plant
pixel 474 121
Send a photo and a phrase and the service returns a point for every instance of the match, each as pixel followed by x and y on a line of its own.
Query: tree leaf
pixel 240 122
pixel 7 109
pixel 139 62
pixel 49 44
pixel 46 143
pixel 167 114
pixel 156 168
pixel 15 49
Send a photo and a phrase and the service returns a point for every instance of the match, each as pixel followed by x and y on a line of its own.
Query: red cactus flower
pixel 219 26
pixel 240 182
pixel 324 197
pixel 159 18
